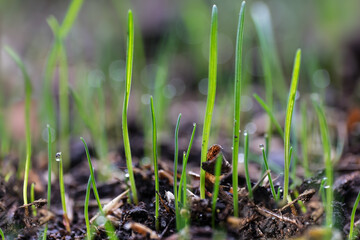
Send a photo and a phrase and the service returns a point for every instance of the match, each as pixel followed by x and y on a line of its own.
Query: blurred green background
pixel 171 60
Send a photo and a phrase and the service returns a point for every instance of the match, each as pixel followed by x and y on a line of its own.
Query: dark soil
pixel 260 218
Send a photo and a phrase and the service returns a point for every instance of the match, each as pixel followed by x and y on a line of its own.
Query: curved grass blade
pixel 288 119
pixel 351 233
pixel 176 158
pixel 28 92
pixel 210 96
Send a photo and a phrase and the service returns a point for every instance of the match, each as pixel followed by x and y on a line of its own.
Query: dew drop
pixel 194 124
pixel 58 156
pixel 245 133
pixel 327 186
pixel 261 146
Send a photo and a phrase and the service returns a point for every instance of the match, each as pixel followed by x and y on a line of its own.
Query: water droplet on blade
pixel 58 156
pixel 261 146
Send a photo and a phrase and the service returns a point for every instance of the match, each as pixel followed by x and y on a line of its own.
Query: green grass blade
pixel 176 160
pixel 356 203
pixel 216 188
pixel 92 175
pixel 288 119
pixel 86 209
pixel 210 96
pixel 325 138
pixel 32 198
pixel 2 234
pixel 237 105
pixel 70 17
pixel 246 162
pixel 269 113
pixel 49 175
pixel 185 160
pixel 129 63
pixel 156 172
pixel 28 92
pixel 269 174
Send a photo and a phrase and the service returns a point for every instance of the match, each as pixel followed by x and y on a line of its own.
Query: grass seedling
pixel 48 108
pixel 58 158
pixel 32 198
pixel 185 160
pixel 237 97
pixel 92 176
pixel 176 158
pixel 86 209
pixel 352 232
pixel 2 234
pixel 210 96
pixel 304 144
pixel 269 174
pixel 49 176
pixel 325 138
pixel 216 188
pixel 269 113
pixel 246 162
pixel 156 172
pixel 288 119
pixel 28 91
pixel 129 63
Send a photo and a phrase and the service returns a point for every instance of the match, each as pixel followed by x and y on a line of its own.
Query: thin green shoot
pixel 322 190
pixel 288 119
pixel 176 158
pixel 269 175
pixel 325 139
pixel 58 158
pixel 352 231
pixel 92 176
pixel 32 199
pixel 2 234
pixel 129 63
pixel 246 162
pixel 210 96
pixel 304 144
pixel 156 172
pixel 185 160
pixel 237 105
pixel 216 188
pixel 86 209
pixel 270 114
pixel 48 109
pixel 28 92
pixel 49 176
pixel 184 183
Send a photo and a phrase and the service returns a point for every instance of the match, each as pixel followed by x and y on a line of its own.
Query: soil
pixel 259 218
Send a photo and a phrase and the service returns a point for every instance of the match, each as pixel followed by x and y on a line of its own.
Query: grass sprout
pixel 269 174
pixel 32 199
pixel 129 63
pixel 353 233
pixel 304 145
pixel 176 158
pixel 92 176
pixel 49 175
pixel 185 160
pixel 48 109
pixel 156 172
pixel 237 98
pixel 86 209
pixel 2 234
pixel 28 92
pixel 288 119
pixel 246 162
pixel 216 188
pixel 210 96
pixel 326 143
pixel 58 158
